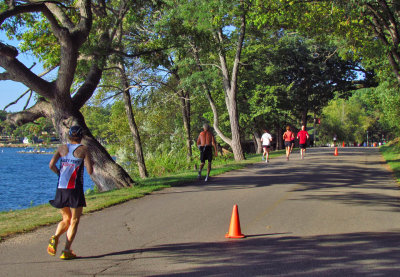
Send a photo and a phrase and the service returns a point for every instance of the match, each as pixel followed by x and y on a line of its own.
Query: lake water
pixel 26 180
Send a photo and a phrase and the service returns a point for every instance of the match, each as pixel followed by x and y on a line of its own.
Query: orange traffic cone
pixel 234 228
pixel 336 152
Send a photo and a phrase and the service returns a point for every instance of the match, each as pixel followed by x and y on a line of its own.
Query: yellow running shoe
pixel 67 255
pixel 52 247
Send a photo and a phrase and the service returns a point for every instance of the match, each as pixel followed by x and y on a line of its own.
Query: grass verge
pixel 391 153
pixel 20 221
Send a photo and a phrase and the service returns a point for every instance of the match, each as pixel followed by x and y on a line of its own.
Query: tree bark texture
pixel 279 139
pixel 257 140
pixel 231 88
pixel 304 114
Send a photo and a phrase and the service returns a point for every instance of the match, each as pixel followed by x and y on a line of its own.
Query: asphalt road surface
pixel 321 216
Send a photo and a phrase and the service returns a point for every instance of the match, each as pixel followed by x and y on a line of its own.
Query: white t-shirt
pixel 266 139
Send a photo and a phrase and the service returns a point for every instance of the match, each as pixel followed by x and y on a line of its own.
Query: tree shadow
pixel 354 254
pixel 334 179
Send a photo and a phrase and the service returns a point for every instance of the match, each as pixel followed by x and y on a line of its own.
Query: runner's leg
pixel 201 168
pixel 73 228
pixel 64 223
pixel 208 169
pixel 202 161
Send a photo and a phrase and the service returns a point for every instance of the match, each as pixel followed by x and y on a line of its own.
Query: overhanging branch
pixel 41 109
pixel 20 9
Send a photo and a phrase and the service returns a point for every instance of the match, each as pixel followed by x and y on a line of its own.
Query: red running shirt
pixel 288 135
pixel 302 136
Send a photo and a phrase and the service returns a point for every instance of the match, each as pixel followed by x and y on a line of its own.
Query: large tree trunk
pixel 133 127
pixel 235 129
pixel 304 115
pixel 279 138
pixel 107 174
pixel 230 84
pixel 257 140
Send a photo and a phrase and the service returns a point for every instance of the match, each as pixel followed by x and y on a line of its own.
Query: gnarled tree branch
pixel 17 71
pixel 41 109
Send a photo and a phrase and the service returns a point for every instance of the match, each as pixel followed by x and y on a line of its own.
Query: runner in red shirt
pixel 288 136
pixel 303 136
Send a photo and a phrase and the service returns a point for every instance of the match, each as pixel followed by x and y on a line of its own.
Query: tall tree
pixel 67 27
pixel 215 18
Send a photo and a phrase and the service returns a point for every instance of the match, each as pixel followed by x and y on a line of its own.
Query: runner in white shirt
pixel 266 139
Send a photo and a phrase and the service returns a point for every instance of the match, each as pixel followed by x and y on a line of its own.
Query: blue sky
pixel 9 90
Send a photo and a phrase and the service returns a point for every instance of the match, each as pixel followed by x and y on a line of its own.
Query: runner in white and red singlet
pixel 70 197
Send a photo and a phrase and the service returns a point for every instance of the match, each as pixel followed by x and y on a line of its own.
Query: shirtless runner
pixel 205 142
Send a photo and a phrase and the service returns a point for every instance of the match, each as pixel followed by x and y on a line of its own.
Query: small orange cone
pixel 234 228
pixel 336 152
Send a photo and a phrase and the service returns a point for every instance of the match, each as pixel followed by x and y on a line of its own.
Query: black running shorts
pixel 205 153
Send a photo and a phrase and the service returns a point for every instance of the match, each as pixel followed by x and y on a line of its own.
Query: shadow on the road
pixel 355 254
pixel 334 178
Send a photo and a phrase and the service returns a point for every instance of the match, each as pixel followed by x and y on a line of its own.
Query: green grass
pixel 391 153
pixel 20 221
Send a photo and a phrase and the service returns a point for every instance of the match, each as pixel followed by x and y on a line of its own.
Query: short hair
pixel 206 126
pixel 75 132
pixel 288 127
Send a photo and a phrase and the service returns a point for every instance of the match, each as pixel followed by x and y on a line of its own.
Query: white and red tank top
pixel 71 169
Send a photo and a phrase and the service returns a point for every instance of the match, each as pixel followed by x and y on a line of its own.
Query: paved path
pixel 322 216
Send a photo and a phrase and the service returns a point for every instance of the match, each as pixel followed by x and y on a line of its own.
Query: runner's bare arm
pixel 88 162
pixel 53 162
pixel 214 143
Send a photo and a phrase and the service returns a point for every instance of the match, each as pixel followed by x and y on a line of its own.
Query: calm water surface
pixel 26 180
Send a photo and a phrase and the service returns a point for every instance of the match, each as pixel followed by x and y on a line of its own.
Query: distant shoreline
pixel 22 145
